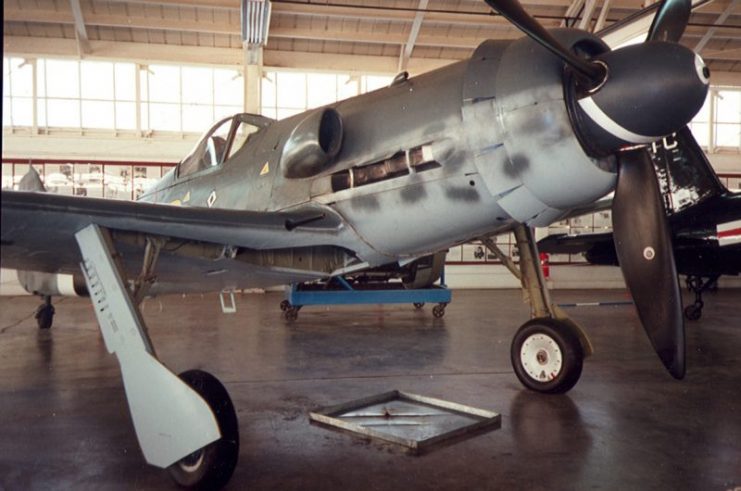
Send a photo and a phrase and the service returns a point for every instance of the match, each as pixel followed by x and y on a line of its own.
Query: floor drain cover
pixel 414 421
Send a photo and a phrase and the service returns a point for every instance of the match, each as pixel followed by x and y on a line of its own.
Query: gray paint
pixel 496 125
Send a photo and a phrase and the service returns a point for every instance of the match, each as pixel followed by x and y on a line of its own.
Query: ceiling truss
pixel 404 33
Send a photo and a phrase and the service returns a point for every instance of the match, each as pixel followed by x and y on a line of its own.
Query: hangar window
pixel 287 93
pixel 17 92
pixel 718 124
pixel 727 119
pixel 188 99
pixel 117 96
pixel 700 125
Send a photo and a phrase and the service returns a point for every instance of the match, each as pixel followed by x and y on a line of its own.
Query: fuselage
pixel 429 162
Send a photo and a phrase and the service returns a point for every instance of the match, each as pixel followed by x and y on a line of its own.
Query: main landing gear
pixel 185 424
pixel 548 351
pixel 698 285
pixel 44 314
pixel 547 356
pixel 210 467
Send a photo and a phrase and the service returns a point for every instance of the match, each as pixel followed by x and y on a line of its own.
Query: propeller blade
pixel 644 249
pixel 512 10
pixel 670 21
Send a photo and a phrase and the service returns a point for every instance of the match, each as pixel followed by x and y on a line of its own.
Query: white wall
pixel 562 277
pixel 484 276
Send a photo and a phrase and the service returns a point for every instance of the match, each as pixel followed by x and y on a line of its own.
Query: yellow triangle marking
pixel 265 169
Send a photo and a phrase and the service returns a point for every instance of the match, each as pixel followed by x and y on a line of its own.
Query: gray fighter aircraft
pixel 517 136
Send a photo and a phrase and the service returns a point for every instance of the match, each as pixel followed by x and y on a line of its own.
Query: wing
pixel 38 235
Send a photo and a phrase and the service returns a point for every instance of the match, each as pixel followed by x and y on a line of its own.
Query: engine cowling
pixel 313 145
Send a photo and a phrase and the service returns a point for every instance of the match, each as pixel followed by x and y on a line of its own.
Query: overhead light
pixel 255 23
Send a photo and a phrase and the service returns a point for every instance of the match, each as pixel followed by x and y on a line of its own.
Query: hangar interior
pixel 108 95
pixel 104 97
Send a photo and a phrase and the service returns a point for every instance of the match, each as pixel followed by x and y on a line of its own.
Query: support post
pixel 253 81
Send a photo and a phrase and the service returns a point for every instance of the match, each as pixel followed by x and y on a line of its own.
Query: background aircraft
pixel 704 218
pixel 518 136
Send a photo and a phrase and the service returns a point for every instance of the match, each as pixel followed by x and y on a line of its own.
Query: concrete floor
pixel 64 423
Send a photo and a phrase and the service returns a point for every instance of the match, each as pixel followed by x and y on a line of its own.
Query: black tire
pixel 438 310
pixel 285 305
pixel 540 369
pixel 291 314
pixel 418 305
pixel 693 312
pixel 44 316
pixel 212 466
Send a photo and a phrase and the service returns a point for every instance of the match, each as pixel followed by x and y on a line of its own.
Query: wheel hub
pixel 190 463
pixel 541 357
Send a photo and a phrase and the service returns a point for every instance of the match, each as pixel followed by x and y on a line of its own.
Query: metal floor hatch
pixel 411 420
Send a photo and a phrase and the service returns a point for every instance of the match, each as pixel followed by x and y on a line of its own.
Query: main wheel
pixel 44 315
pixel 547 356
pixel 213 465
pixel 693 312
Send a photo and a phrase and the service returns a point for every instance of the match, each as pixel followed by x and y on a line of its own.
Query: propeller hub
pixel 651 91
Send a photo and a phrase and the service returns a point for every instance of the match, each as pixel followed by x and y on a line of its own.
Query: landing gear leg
pixel 548 351
pixel 187 424
pixel 698 286
pixel 45 313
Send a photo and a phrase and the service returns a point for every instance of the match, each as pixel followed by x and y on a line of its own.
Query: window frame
pixel 205 145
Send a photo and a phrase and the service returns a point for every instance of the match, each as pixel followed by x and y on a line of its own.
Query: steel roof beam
pixel 720 20
pixel 83 45
pixel 406 51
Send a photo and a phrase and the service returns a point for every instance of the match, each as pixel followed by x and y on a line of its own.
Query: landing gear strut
pixel 698 286
pixel 45 313
pixel 186 424
pixel 548 351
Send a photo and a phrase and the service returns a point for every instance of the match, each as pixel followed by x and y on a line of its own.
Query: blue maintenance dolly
pixel 338 291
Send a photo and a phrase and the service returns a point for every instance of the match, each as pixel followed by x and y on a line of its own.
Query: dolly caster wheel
pixel 418 305
pixel 285 305
pixel 212 466
pixel 438 310
pixel 547 356
pixel 291 314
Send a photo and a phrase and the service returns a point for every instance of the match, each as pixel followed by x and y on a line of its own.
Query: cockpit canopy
pixel 221 142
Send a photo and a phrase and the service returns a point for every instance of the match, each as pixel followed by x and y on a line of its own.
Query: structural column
pixel 252 79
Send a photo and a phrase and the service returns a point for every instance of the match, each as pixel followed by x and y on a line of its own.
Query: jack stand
pixel 171 420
